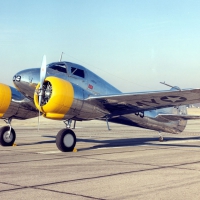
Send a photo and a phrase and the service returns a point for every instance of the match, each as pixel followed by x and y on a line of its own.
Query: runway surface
pixel 124 163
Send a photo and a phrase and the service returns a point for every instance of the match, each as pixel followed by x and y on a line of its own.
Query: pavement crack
pixel 69 193
pixel 19 187
pixel 10 184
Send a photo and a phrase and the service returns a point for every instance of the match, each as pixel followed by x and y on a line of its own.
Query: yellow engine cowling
pixel 60 101
pixel 5 98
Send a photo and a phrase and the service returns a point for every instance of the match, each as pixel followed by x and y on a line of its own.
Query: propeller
pixel 42 77
pixel 43 70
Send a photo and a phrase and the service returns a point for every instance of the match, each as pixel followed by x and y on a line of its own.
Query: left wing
pixel 127 103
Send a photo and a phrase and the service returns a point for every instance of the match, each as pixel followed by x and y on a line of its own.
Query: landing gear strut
pixel 66 140
pixel 161 138
pixel 69 122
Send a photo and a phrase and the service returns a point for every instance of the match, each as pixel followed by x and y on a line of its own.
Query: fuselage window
pixel 77 72
pixel 59 68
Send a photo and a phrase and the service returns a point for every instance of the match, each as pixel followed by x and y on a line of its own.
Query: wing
pixel 127 103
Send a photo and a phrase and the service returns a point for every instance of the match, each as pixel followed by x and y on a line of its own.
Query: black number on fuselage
pixel 141 114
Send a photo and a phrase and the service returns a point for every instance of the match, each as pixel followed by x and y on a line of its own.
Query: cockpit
pixel 60 67
pixel 77 72
pixel 68 68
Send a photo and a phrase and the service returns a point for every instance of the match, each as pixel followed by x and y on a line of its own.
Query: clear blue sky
pixel 132 44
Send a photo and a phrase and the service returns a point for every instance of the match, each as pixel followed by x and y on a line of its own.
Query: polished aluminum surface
pixel 20 107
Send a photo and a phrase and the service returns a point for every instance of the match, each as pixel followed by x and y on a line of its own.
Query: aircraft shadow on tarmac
pixel 128 142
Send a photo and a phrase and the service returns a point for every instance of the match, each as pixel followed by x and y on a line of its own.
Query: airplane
pixel 70 92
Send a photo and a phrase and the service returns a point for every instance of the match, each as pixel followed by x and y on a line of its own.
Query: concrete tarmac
pixel 124 163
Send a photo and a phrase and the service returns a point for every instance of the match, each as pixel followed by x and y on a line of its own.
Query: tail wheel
pixel 66 140
pixel 6 138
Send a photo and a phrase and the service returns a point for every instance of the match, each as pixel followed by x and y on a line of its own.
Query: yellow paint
pixel 54 115
pixel 75 150
pixel 5 98
pixel 14 145
pixel 61 99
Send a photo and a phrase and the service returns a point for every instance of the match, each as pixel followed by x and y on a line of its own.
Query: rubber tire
pixel 60 140
pixel 3 130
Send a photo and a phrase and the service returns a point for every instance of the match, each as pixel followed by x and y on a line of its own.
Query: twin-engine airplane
pixel 67 91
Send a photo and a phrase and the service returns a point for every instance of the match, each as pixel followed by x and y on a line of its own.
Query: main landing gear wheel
pixel 66 140
pixel 6 138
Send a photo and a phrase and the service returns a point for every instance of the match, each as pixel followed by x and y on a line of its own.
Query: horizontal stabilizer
pixel 172 117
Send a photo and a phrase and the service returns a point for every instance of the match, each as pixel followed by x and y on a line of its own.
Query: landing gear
pixel 69 122
pixel 7 136
pixel 66 140
pixel 161 138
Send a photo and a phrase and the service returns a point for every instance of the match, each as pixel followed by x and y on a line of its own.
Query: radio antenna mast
pixel 177 88
pixel 61 56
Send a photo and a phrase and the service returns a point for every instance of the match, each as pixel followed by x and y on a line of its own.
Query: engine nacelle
pixel 57 98
pixel 15 105
pixel 63 100
pixel 5 98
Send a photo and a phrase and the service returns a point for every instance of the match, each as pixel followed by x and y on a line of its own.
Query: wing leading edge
pixel 126 103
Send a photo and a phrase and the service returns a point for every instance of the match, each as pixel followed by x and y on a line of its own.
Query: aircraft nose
pixel 26 81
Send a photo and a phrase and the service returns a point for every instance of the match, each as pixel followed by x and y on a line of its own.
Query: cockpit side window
pixel 60 68
pixel 77 72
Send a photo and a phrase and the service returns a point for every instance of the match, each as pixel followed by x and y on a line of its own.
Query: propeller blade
pixel 42 77
pixel 43 70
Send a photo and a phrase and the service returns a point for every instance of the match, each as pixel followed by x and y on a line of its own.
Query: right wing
pixel 126 103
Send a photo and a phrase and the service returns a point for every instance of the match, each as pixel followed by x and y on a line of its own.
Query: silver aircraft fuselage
pixel 89 84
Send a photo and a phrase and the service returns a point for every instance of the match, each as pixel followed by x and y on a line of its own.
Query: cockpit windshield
pixel 73 70
pixel 77 72
pixel 58 67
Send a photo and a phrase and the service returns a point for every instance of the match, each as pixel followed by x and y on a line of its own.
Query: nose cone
pixel 26 81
